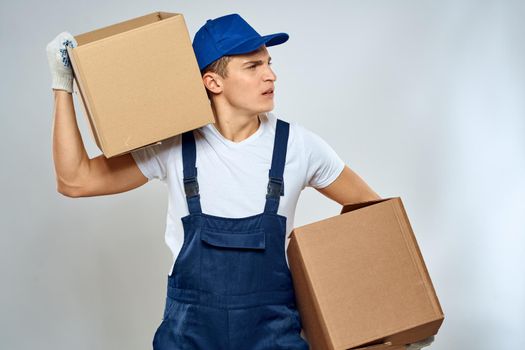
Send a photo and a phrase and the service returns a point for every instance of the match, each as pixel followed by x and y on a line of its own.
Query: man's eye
pixel 252 67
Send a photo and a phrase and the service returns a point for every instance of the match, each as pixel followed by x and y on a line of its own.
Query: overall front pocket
pixel 232 263
pixel 242 240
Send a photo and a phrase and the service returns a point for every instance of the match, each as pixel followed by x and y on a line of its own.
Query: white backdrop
pixel 424 99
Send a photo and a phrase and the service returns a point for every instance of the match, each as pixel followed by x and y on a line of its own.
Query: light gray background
pixel 424 99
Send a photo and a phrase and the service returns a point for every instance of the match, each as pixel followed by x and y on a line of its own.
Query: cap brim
pixel 276 39
pixel 255 43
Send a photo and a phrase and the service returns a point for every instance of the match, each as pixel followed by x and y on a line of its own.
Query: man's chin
pixel 267 109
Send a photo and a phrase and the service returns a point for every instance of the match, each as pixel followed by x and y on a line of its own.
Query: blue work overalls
pixel 230 287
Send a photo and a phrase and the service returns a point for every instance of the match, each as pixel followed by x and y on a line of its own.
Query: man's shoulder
pixel 272 120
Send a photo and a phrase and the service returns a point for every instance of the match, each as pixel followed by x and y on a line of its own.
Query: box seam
pixel 413 249
pixel 304 267
pixel 90 107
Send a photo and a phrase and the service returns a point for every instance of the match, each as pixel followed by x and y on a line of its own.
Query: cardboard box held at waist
pixel 360 279
pixel 139 82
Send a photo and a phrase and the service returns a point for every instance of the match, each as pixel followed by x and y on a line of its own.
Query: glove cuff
pixel 63 82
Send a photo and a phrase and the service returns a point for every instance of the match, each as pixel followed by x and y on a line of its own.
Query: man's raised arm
pixel 77 175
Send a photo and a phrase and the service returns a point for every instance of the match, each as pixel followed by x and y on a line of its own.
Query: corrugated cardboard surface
pixel 139 82
pixel 360 279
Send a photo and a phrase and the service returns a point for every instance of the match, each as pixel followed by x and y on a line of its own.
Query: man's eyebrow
pixel 256 62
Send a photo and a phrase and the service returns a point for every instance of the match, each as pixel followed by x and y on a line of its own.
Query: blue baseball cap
pixel 229 35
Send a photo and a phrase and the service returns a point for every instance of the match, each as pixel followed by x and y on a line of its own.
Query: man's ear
pixel 212 82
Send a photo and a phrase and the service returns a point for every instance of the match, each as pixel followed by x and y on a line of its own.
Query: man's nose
pixel 269 74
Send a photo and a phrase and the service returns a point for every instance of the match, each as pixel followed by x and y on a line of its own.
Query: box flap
pixel 165 15
pixel 101 33
pixel 354 206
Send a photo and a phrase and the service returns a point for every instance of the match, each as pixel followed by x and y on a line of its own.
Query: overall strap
pixel 191 186
pixel 276 181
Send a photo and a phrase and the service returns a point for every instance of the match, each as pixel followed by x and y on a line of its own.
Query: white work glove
pixel 421 344
pixel 59 63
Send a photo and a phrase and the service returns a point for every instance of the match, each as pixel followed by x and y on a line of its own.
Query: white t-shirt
pixel 233 176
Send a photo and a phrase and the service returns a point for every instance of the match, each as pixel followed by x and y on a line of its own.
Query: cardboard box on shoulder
pixel 360 279
pixel 139 82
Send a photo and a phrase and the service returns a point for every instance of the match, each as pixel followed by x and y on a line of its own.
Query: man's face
pixel 249 84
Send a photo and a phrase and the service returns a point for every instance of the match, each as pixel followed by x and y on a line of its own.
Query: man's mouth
pixel 269 91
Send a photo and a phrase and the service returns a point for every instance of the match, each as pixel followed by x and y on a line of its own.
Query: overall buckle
pixel 275 187
pixel 191 186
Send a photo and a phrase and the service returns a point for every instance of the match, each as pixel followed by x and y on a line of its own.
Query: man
pixel 229 286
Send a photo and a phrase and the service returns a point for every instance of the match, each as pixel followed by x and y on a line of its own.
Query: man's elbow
pixel 67 192
pixel 70 190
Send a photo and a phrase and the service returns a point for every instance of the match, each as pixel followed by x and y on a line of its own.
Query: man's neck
pixel 236 127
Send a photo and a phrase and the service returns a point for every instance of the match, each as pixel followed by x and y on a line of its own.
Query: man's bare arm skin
pixel 349 188
pixel 77 175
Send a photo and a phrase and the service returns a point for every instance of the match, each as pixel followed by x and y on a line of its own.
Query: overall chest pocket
pixel 255 239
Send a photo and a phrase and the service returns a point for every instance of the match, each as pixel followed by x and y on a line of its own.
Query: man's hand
pixel 421 344
pixel 59 63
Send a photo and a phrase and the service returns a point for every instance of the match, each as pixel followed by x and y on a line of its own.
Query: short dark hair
pixel 218 66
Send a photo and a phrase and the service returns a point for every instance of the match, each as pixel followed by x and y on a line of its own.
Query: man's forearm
pixel 349 188
pixel 69 154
